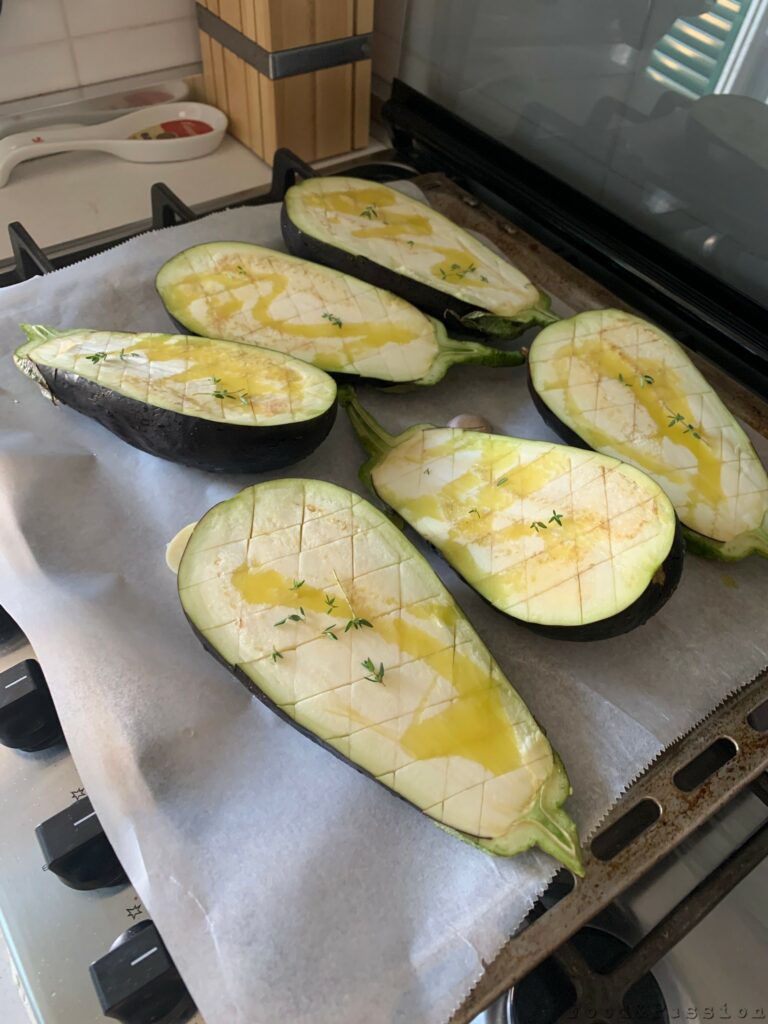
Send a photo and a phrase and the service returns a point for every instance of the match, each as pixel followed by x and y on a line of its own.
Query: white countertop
pixel 65 197
pixel 59 198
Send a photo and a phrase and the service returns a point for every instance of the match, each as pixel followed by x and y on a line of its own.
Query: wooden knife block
pixel 317 113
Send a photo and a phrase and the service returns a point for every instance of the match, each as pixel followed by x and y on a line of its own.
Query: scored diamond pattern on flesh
pixel 148 368
pixel 593 567
pixel 229 281
pixel 416 252
pixel 717 485
pixel 321 683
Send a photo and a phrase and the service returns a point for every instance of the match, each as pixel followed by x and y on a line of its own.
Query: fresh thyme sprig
pixel 275 655
pixel 223 393
pixel 690 428
pixel 96 357
pixel 473 511
pixel 501 481
pixel 538 525
pixel 370 212
pixel 377 674
pixel 131 355
pixel 645 378
pixel 357 623
pixel 456 270
pixel 295 617
pixel 332 318
pixel 328 632
pixel 556 517
pixel 297 584
pixel 330 602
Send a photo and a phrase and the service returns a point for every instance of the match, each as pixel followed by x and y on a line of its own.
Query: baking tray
pixel 694 777
pixel 687 784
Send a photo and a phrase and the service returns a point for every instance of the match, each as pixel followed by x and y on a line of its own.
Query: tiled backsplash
pixel 50 45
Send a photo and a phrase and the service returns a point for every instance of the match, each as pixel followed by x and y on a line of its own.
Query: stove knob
pixel 137 982
pixel 28 719
pixel 8 627
pixel 76 848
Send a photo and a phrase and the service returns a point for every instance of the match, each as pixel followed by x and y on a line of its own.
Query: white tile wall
pixel 50 45
pixel 26 22
pixel 87 17
pixel 131 51
pixel 46 67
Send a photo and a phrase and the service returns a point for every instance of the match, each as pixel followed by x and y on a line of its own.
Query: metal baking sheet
pixel 276 875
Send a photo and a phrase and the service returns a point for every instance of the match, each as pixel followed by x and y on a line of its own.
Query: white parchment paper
pixel 287 886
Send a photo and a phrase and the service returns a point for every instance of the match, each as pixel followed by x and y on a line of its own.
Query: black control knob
pixel 137 982
pixel 8 628
pixel 76 848
pixel 28 719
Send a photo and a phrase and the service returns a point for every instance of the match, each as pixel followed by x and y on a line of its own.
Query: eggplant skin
pixel 198 443
pixel 432 301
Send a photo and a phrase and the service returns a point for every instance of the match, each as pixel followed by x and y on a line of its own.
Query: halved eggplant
pixel 623 387
pixel 573 544
pixel 323 609
pixel 206 403
pixel 391 240
pixel 251 294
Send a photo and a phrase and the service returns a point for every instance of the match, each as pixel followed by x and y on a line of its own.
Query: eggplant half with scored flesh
pixel 615 383
pixel 327 613
pixel 251 294
pixel 396 242
pixel 206 403
pixel 573 544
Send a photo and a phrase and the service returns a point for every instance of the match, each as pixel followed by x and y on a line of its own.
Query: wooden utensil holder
pixel 293 73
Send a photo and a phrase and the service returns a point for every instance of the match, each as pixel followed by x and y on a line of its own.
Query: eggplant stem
pixel 476 352
pixel 544 317
pixel 373 437
pixel 761 541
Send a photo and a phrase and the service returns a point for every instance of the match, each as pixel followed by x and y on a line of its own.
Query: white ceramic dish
pixel 179 131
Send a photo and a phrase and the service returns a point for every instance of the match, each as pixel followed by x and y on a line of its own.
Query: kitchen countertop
pixel 69 196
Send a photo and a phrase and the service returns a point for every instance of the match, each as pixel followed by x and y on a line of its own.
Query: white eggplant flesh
pixel 321 606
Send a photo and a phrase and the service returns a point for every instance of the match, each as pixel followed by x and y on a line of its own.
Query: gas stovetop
pixel 65 904
pixel 679 942
pixel 81 943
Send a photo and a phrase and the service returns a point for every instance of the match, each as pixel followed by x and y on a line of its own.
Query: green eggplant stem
pixel 485 355
pixel 754 542
pixel 373 437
